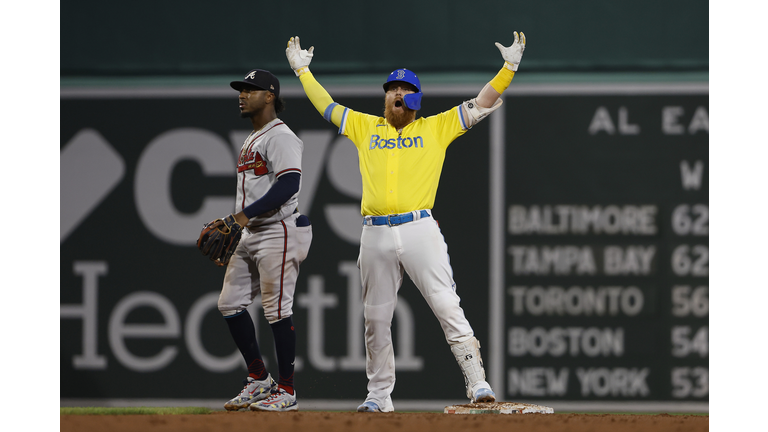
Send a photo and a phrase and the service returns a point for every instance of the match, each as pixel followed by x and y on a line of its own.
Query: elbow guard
pixel 475 112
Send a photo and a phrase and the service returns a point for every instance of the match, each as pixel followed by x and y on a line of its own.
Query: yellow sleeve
pixel 447 125
pixel 320 98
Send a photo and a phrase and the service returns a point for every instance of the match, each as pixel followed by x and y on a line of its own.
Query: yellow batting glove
pixel 298 58
pixel 514 53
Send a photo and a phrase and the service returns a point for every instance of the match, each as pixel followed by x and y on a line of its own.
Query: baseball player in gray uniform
pixel 275 240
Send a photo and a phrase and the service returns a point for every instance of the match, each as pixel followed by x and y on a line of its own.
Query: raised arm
pixel 488 100
pixel 299 60
pixel 512 56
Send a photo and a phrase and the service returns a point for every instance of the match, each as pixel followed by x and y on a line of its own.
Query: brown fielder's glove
pixel 219 238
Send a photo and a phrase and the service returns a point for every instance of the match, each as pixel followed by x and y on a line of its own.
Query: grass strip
pixel 132 410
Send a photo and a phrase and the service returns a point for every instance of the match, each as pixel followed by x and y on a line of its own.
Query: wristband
pixel 502 79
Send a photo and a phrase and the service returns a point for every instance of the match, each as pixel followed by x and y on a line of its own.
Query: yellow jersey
pixel 400 170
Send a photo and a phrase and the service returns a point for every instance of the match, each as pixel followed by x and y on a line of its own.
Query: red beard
pixel 399 119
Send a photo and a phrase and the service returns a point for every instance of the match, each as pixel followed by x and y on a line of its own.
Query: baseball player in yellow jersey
pixel 401 158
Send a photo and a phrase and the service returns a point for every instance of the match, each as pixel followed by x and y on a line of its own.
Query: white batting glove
pixel 298 58
pixel 514 53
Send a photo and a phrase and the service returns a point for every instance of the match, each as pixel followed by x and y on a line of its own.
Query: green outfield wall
pixel 352 37
pixel 576 219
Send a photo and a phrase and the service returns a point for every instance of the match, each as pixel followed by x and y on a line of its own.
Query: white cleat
pixel 280 400
pixel 373 407
pixel 253 391
pixel 483 394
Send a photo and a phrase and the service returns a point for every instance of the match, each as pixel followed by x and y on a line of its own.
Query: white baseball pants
pixel 419 248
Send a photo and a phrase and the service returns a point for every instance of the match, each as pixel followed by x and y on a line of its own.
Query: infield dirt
pixel 319 421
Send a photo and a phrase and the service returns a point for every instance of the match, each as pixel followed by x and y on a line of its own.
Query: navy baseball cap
pixel 260 79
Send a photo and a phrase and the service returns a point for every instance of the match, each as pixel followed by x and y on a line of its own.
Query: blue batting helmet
pixel 412 100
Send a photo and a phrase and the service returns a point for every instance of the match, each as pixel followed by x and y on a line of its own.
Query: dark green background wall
pixel 553 158
pixel 176 37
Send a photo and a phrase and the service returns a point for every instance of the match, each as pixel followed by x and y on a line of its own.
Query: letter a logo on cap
pixel 251 75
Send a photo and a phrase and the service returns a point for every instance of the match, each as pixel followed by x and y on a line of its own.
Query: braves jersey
pixel 267 154
pixel 401 170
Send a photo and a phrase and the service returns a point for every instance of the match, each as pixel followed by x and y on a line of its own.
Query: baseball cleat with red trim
pixel 253 391
pixel 280 400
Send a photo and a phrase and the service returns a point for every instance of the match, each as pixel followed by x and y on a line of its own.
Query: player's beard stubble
pixel 398 119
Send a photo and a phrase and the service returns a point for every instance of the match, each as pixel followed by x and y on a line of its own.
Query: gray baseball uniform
pixel 267 258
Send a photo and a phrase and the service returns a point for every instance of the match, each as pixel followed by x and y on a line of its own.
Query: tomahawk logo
pixel 254 161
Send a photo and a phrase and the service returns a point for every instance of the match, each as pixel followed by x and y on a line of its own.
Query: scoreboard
pixel 606 240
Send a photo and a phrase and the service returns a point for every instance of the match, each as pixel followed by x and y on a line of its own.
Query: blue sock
pixel 285 345
pixel 244 334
